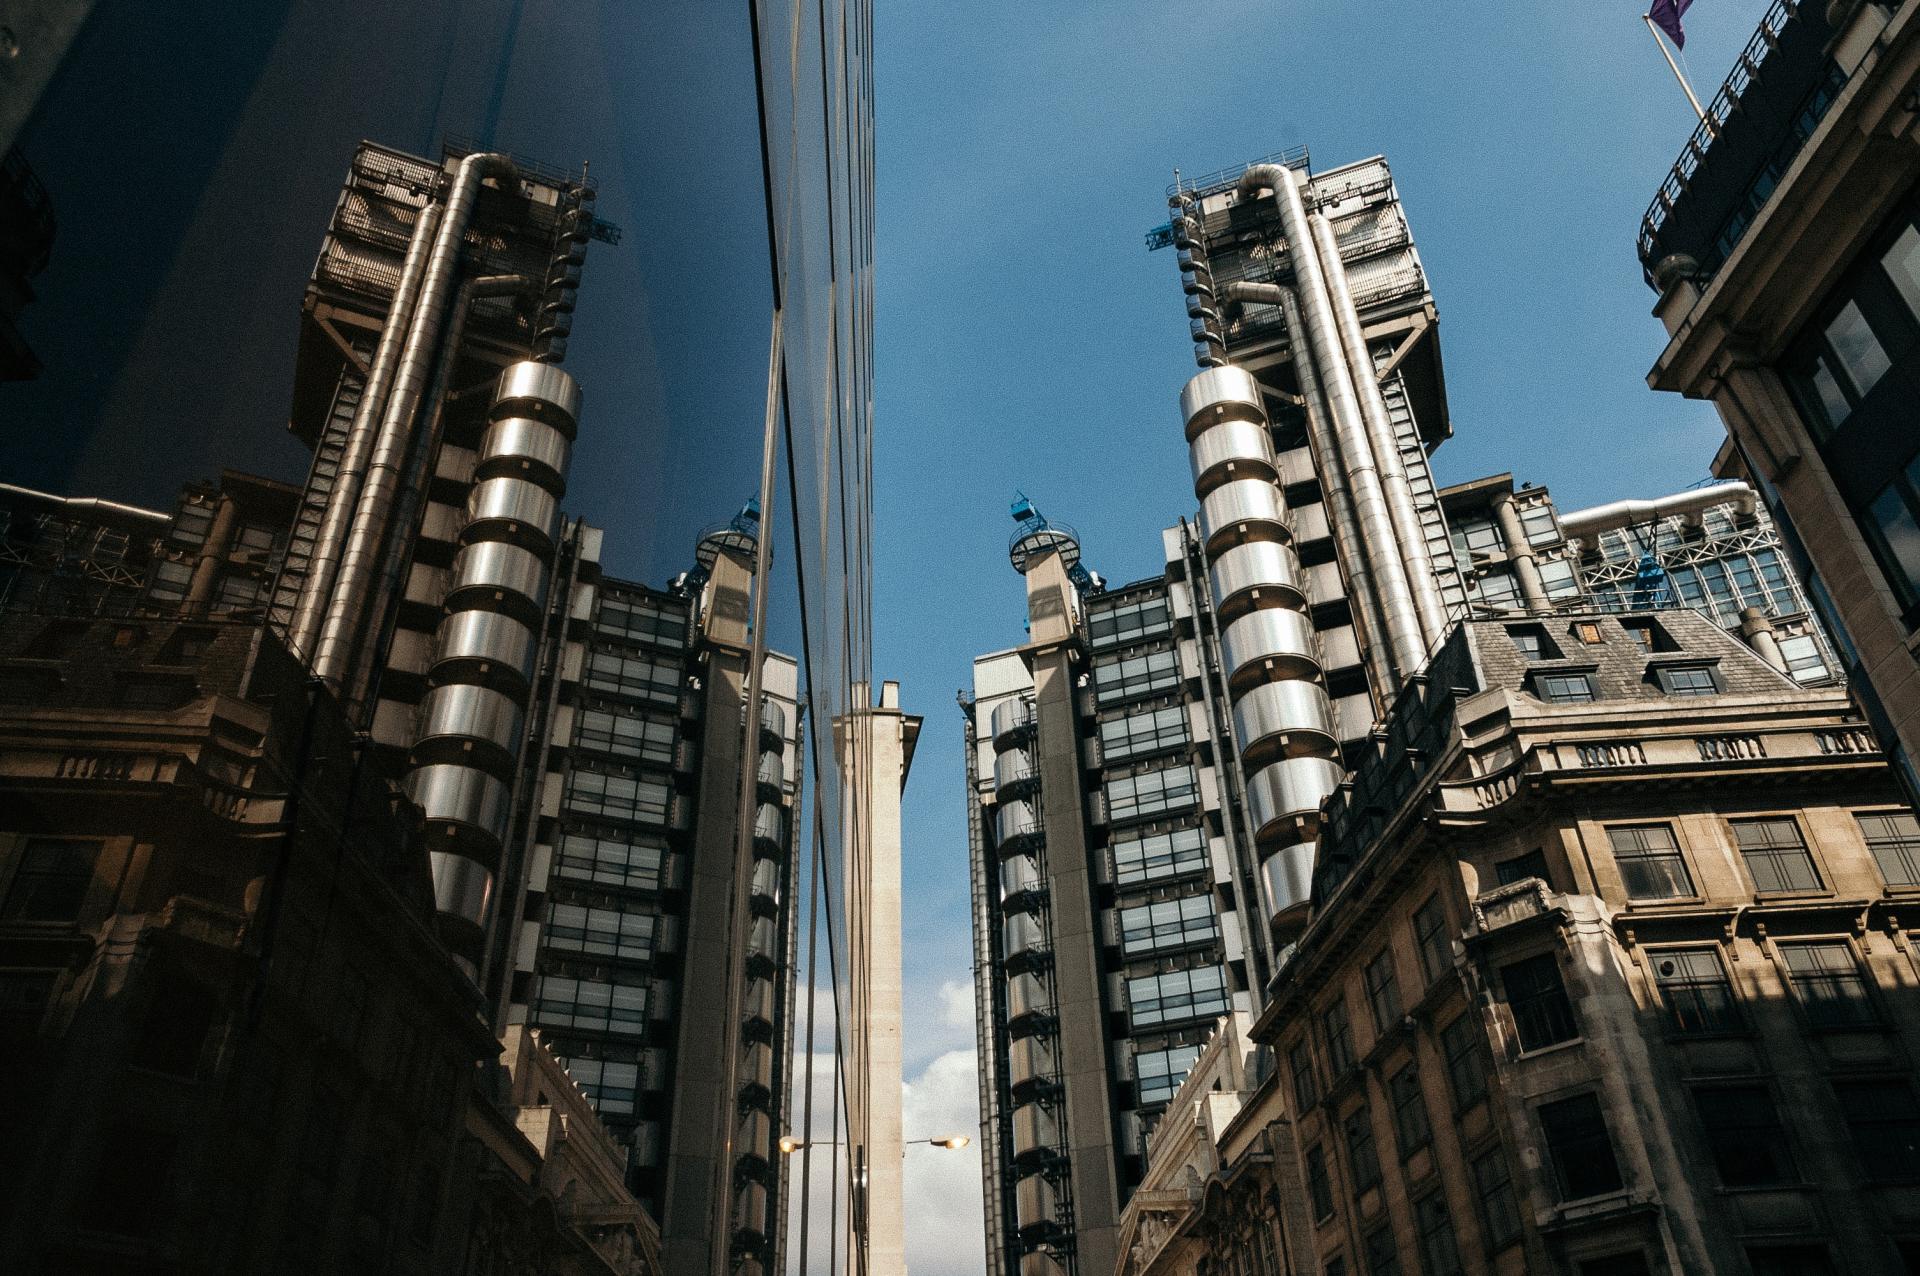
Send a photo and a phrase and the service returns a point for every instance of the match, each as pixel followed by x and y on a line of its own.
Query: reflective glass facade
pixel 192 297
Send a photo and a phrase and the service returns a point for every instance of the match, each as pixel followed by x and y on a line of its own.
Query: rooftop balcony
pixel 1770 104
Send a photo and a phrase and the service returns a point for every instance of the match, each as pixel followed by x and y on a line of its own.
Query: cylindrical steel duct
pixel 1196 280
pixel 383 602
pixel 1400 620
pixel 1283 721
pixel 472 722
pixel 345 625
pixel 330 542
pixel 1407 529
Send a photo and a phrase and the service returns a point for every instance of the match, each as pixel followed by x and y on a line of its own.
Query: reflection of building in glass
pixel 1785 246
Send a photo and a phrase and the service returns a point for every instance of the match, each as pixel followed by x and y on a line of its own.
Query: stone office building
pixel 1607 974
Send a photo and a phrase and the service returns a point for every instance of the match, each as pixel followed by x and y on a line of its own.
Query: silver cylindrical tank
pixel 1256 574
pixel 471 724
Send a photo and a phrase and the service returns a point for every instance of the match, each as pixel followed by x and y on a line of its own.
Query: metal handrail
pixel 1765 37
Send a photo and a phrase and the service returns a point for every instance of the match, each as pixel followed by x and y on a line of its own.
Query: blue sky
pixel 1026 338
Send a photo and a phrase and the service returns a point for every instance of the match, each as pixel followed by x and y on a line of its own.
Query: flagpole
pixel 1675 68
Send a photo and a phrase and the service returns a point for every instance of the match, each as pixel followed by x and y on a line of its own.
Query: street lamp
pixel 791 1143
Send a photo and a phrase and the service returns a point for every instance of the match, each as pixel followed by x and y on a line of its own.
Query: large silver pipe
pixel 347 607
pixel 362 684
pixel 310 608
pixel 1408 532
pixel 1400 620
pixel 1691 503
pixel 87 506
pixel 1332 471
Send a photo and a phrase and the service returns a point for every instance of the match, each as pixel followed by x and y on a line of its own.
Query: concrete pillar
pixel 213 553
pixel 876 746
pixel 1756 627
pixel 1533 590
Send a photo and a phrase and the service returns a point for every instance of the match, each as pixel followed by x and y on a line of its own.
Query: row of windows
pixel 1138 733
pixel 1773 848
pixel 642 619
pixel 1499 587
pixel 589 1003
pixel 1129 623
pixel 601 932
pixel 1200 993
pixel 1151 792
pixel 1129 677
pixel 635 735
pixel 632 674
pixel 625 797
pixel 1158 1073
pixel 612 1087
pixel 1158 856
pixel 1170 923
pixel 636 862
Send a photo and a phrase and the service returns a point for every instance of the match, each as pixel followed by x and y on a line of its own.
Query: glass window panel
pixel 1159 856
pixel 1579 1147
pixel 1542 1014
pixel 1902 262
pixel 1363 1157
pixel 1499 1211
pixel 1827 980
pixel 1884 1121
pixel 1694 986
pixel 1466 1065
pixel 1897 536
pixel 1857 348
pixel 1776 855
pixel 1894 839
pixel 1650 863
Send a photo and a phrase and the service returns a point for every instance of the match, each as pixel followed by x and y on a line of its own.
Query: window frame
pixel 1908 845
pixel 1382 981
pixel 1734 1139
pixel 1867 1014
pixel 1542 1008
pixel 1771 852
pixel 1572 1160
pixel 1678 855
pixel 1729 1020
pixel 1429 925
pixel 26 881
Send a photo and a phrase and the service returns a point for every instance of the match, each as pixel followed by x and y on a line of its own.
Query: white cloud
pixel 945 1229
pixel 956 1003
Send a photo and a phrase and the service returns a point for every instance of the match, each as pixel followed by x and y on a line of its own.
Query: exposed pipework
pixel 1689 504
pixel 86 507
pixel 1196 280
pixel 310 609
pixel 1399 617
pixel 1408 532
pixel 1282 719
pixel 468 749
pixel 372 520
pixel 361 686
pixel 1333 482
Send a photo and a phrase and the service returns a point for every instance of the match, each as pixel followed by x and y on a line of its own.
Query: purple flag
pixel 1666 16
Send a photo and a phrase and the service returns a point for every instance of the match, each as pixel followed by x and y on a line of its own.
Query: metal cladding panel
pixel 1274 642
pixel 1310 522
pixel 512 509
pixel 464 711
pixel 1245 509
pixel 1019 874
pixel 1229 388
pixel 540 390
pixel 1016 817
pixel 532 449
pixel 461 887
pixel 493 567
pixel 1231 450
pixel 1035 1202
pixel 1027 995
pixel 750 1209
pixel 1035 1129
pixel 1023 934
pixel 1031 1059
pixel 766 880
pixel 772 771
pixel 758 1003
pixel 1281 719
pixel 773 720
pixel 756 1067
pixel 1011 715
pixel 754 1134
pixel 1287 878
pixel 770 823
pixel 1282 794
pixel 763 939
pixel 461 795
pixel 1012 766
pixel 1257 573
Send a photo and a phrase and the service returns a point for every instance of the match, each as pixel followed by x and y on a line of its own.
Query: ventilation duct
pixel 1269 652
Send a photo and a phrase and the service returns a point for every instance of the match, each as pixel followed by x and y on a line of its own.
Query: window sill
pixel 1794 897
pixel 1555 1047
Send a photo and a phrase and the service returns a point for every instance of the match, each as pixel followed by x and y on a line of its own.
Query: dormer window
pixel 1688 680
pixel 1532 642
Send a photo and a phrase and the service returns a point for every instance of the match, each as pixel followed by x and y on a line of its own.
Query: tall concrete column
pixel 1533 590
pixel 876 746
pixel 1053 657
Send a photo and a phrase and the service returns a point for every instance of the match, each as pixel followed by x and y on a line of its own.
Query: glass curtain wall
pixel 177 167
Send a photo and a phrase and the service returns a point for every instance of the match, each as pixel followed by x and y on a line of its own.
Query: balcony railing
pixel 1771 136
